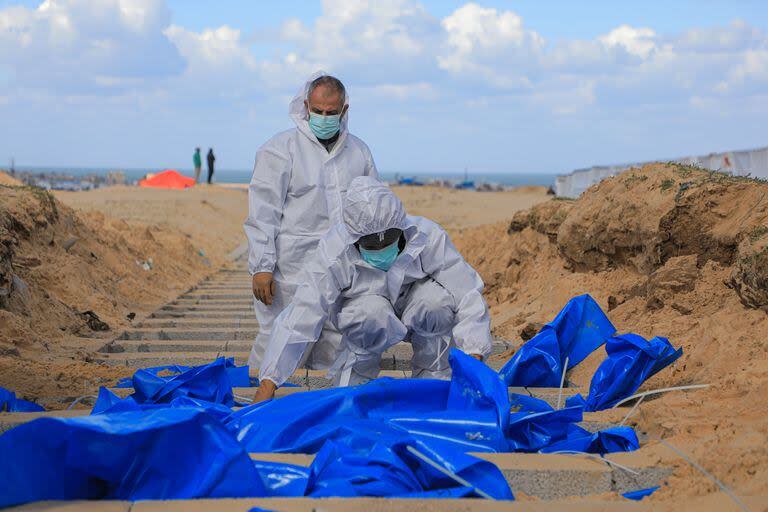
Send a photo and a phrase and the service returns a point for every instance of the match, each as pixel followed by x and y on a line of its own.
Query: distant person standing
pixel 211 160
pixel 198 161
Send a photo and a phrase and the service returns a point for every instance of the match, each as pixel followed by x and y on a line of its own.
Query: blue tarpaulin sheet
pixel 640 493
pixel 164 453
pixel 366 438
pixel 123 452
pixel 10 403
pixel 579 329
pixel 631 361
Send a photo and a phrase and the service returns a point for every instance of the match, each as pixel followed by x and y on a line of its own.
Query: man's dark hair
pixel 328 81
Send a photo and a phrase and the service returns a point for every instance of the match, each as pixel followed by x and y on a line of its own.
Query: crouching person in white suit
pixel 381 277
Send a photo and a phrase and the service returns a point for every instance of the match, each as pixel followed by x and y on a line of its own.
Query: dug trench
pixel 190 341
pixel 666 250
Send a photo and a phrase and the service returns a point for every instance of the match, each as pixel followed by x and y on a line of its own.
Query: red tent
pixel 169 178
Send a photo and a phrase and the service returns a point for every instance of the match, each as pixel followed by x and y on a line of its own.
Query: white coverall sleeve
pixel 302 321
pixel 442 261
pixel 370 165
pixel 266 196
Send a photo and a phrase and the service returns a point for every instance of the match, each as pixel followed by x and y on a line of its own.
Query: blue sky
pixel 436 86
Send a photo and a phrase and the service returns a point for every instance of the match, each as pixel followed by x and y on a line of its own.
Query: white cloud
pixel 385 49
pixel 637 41
pixel 483 43
pixel 212 49
pixel 77 46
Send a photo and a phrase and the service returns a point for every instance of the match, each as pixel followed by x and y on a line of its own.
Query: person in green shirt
pixel 198 161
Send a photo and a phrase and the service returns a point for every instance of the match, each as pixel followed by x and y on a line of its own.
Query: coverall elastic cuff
pixel 262 268
pixel 270 379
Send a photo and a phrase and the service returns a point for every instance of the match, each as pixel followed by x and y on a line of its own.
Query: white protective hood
pixel 371 207
pixel 298 111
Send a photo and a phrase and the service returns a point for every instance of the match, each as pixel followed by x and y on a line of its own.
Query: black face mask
pixel 378 241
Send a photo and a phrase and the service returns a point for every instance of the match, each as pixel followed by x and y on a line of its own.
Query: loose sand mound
pixel 7 179
pixel 667 250
pixel 69 280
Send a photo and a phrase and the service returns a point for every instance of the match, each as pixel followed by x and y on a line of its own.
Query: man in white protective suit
pixel 381 277
pixel 295 195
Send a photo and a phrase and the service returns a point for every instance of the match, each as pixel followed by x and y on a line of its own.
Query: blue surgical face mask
pixel 383 259
pixel 324 127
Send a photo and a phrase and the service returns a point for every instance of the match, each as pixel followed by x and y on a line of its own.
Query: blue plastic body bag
pixel 610 440
pixel 631 361
pixel 471 411
pixel 10 403
pixel 161 454
pixel 238 375
pixel 577 330
pixel 378 462
pixel 211 382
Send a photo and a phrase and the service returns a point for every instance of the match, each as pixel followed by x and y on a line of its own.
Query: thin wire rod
pixel 80 399
pixel 634 408
pixel 448 473
pixel 662 390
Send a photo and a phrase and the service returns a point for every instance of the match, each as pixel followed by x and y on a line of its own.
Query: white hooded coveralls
pixel 294 197
pixel 430 296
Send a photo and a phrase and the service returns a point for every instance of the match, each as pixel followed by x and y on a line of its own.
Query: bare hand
pixel 265 391
pixel 263 287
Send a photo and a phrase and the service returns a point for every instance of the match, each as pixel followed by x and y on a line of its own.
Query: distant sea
pixel 244 176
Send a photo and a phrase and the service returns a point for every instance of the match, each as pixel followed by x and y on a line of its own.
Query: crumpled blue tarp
pixel 640 493
pixel 631 361
pixel 378 463
pixel 610 440
pixel 164 453
pixel 558 430
pixel 108 402
pixel 361 435
pixel 10 403
pixel 149 453
pixel 470 411
pixel 577 330
pixel 212 382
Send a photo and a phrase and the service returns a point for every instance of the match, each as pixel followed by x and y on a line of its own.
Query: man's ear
pixel 344 110
pixel 306 106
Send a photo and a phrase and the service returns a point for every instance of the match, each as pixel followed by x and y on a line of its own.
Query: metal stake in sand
pixel 447 472
pixel 562 381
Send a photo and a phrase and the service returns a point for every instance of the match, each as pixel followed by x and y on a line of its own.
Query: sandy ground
pixel 210 216
pixel 667 251
pixel 457 210
pixel 117 252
